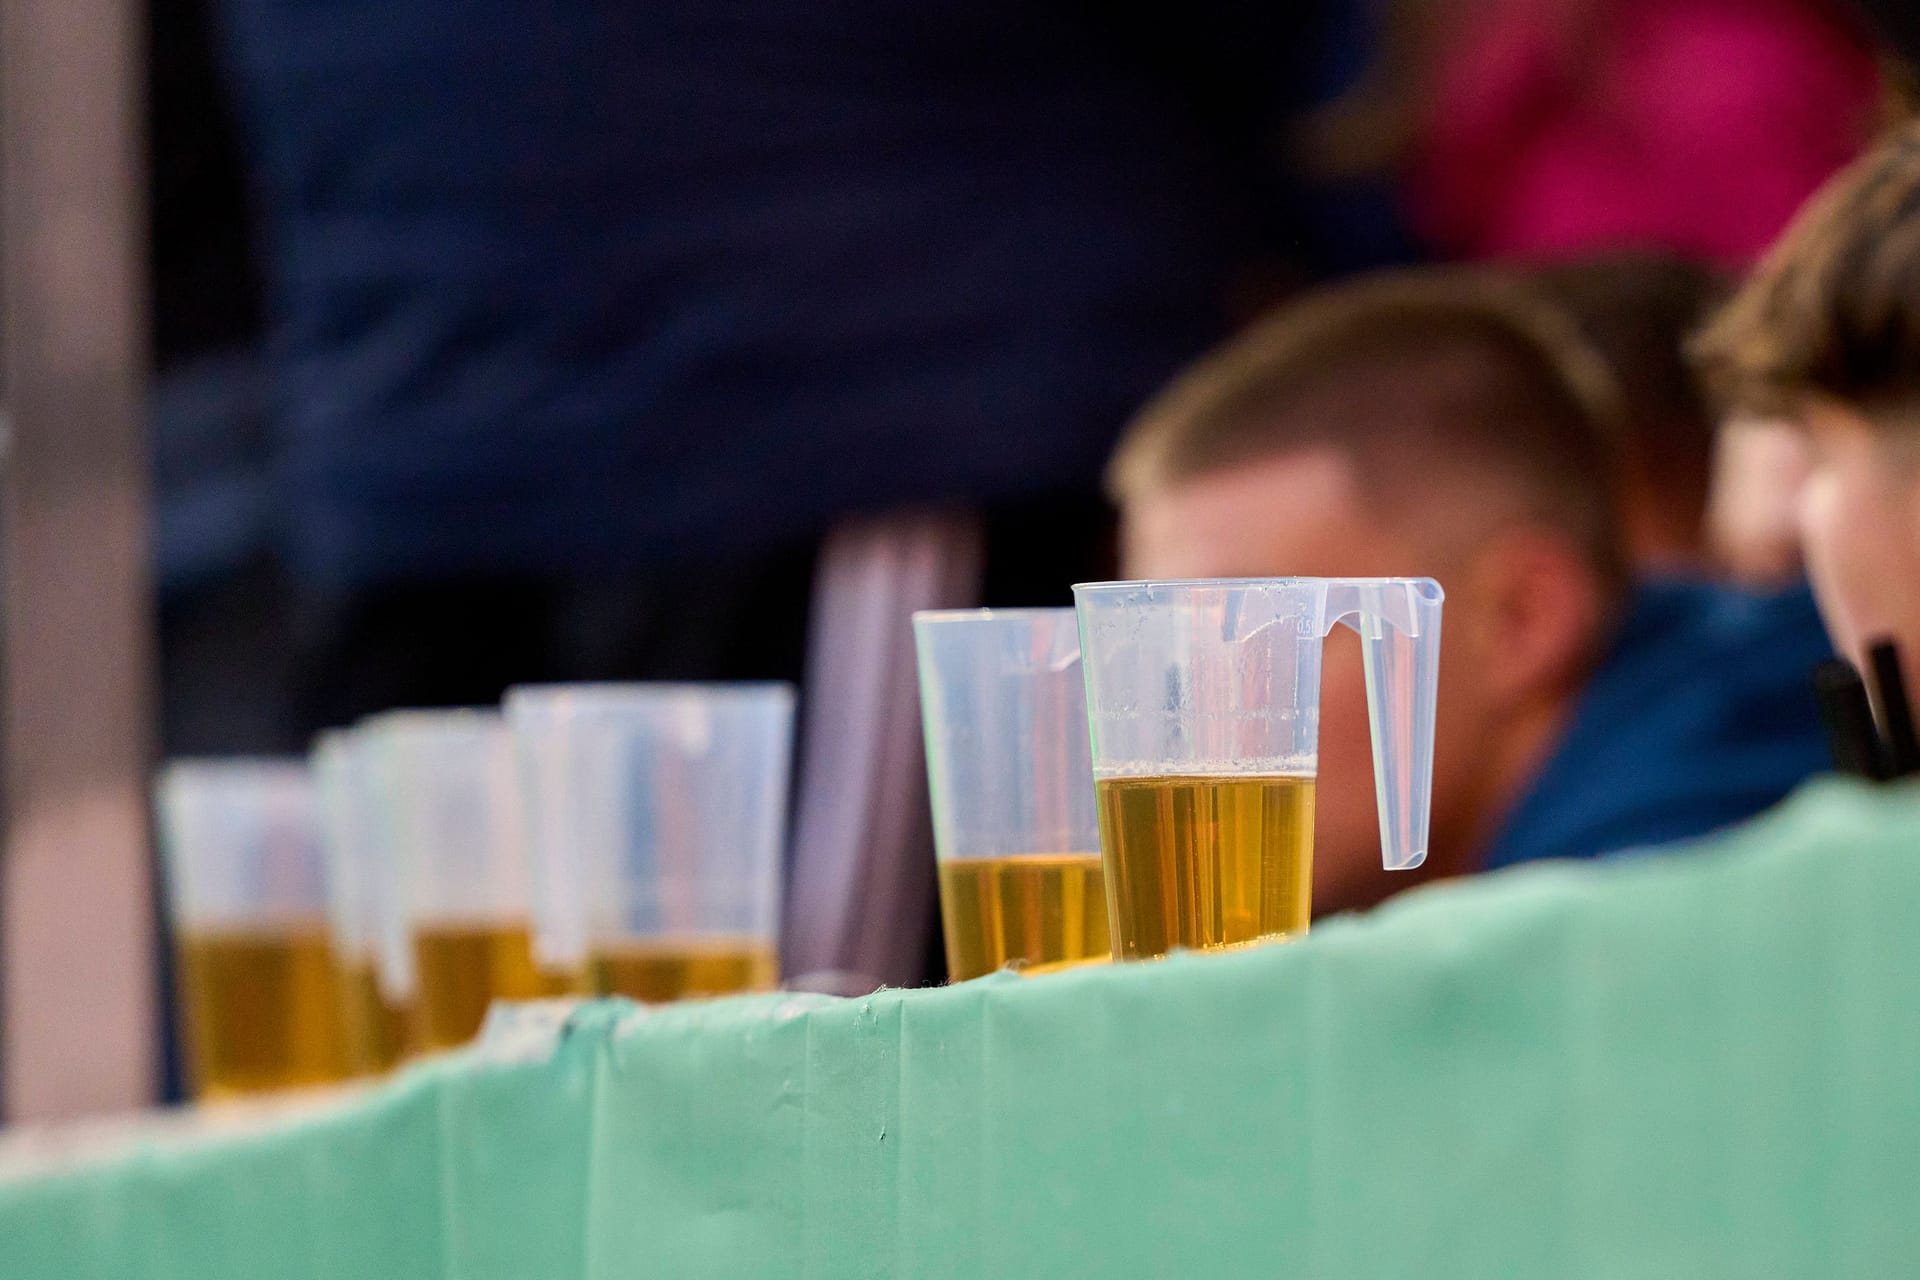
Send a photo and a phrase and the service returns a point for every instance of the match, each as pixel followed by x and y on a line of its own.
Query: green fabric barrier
pixel 1703 1063
pixel 374 1178
pixel 516 1147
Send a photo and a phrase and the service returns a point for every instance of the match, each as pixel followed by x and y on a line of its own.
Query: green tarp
pixel 1698 1064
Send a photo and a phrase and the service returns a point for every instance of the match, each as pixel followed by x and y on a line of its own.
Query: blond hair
pixel 1467 368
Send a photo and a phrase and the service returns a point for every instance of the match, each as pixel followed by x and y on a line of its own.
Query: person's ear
pixel 1536 617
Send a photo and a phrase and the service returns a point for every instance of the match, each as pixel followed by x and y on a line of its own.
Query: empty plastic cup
pixel 259 990
pixel 1011 781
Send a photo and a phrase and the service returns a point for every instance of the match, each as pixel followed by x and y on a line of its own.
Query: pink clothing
pixel 1698 126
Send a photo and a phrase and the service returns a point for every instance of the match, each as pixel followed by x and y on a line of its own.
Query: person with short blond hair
pixel 1454 422
pixel 1470 353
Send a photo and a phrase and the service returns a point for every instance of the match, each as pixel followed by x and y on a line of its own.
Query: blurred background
pixel 363 356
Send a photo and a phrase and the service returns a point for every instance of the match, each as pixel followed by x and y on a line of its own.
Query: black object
pixel 1896 24
pixel 1847 716
pixel 1896 713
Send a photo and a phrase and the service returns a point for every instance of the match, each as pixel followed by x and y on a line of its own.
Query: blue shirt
pixel 565 287
pixel 1701 714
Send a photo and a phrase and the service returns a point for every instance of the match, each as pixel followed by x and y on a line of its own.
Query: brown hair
pixel 1639 309
pixel 1833 310
pixel 1418 375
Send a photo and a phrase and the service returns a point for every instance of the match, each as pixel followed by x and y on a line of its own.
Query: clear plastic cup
pixel 1203 702
pixel 1010 775
pixel 547 724
pixel 665 806
pixel 391 884
pixel 259 989
pixel 376 1008
pixel 448 789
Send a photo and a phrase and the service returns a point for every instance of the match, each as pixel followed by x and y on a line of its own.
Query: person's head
pixel 1638 310
pixel 1443 423
pixel 1826 334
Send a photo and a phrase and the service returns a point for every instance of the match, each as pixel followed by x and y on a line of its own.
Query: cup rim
pixel 1023 613
pixel 1136 584
pixel 628 693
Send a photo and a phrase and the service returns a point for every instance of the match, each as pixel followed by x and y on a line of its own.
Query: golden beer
pixel 464 966
pixel 262 1008
pixel 1031 909
pixel 378 1029
pixel 558 984
pixel 1203 862
pixel 658 970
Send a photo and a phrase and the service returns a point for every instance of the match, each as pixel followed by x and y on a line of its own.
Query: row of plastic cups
pixel 627 838
pixel 621 839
